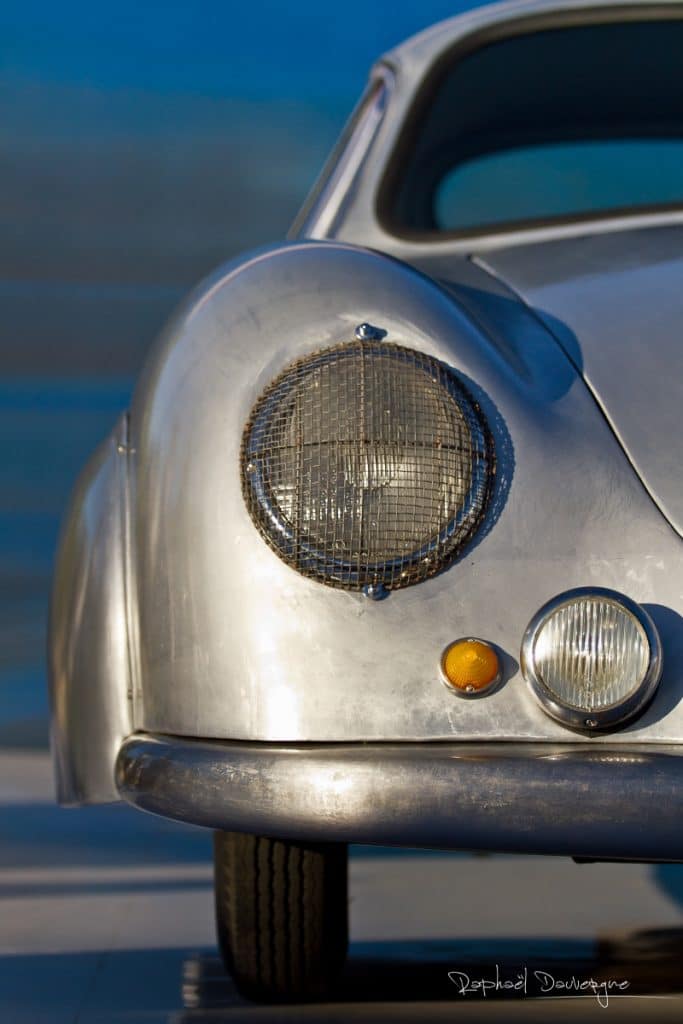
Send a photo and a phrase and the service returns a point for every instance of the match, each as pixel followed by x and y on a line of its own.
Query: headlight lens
pixel 593 658
pixel 367 463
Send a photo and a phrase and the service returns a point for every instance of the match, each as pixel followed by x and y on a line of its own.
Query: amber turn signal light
pixel 470 666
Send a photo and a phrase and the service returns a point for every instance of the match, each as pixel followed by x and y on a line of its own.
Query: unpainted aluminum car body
pixel 195 674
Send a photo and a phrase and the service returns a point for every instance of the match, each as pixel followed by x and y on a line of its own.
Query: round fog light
pixel 593 658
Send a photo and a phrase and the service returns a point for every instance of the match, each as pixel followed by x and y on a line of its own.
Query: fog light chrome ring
pixel 592 720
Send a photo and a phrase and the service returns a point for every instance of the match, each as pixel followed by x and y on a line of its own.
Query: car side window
pixel 557 180
pixel 554 123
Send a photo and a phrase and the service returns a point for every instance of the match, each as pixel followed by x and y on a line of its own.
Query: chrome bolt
pixel 366 332
pixel 590 723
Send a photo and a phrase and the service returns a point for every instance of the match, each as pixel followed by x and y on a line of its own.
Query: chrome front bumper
pixel 618 803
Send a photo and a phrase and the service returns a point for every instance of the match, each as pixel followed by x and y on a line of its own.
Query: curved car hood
pixel 615 304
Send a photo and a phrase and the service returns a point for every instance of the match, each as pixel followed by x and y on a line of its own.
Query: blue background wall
pixel 140 145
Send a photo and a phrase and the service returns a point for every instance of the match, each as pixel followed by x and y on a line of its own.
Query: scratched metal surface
pixel 232 643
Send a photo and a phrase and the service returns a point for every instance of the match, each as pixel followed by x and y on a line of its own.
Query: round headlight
pixel 593 658
pixel 367 464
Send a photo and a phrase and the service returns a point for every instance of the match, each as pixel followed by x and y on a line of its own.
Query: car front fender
pixel 89 668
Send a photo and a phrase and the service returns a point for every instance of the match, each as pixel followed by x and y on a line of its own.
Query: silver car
pixel 388 547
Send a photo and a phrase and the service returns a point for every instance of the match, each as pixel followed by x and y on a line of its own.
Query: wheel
pixel 281 914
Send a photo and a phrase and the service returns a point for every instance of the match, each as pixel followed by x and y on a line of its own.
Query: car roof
pixel 419 52
pixel 348 210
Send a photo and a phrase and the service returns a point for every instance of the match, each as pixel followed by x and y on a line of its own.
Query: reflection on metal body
pixel 510 798
pixel 88 634
pixel 237 644
pixel 180 603
pixel 620 295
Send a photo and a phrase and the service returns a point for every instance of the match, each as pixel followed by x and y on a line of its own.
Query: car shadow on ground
pixel 419 981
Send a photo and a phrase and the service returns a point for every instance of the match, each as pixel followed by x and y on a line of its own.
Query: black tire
pixel 281 915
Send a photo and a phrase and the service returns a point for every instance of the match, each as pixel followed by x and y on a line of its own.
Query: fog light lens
pixel 593 658
pixel 470 666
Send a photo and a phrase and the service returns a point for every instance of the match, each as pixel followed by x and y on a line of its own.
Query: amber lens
pixel 470 666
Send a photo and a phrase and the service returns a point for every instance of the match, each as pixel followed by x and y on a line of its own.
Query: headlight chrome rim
pixel 612 716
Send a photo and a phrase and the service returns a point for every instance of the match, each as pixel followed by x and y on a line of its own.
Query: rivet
pixel 366 332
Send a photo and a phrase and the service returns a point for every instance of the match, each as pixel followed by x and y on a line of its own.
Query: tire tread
pixel 281 914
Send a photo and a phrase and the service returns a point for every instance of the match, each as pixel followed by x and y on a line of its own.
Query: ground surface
pixel 106 916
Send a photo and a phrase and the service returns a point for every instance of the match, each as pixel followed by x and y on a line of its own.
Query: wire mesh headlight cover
pixel 367 464
pixel 593 658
